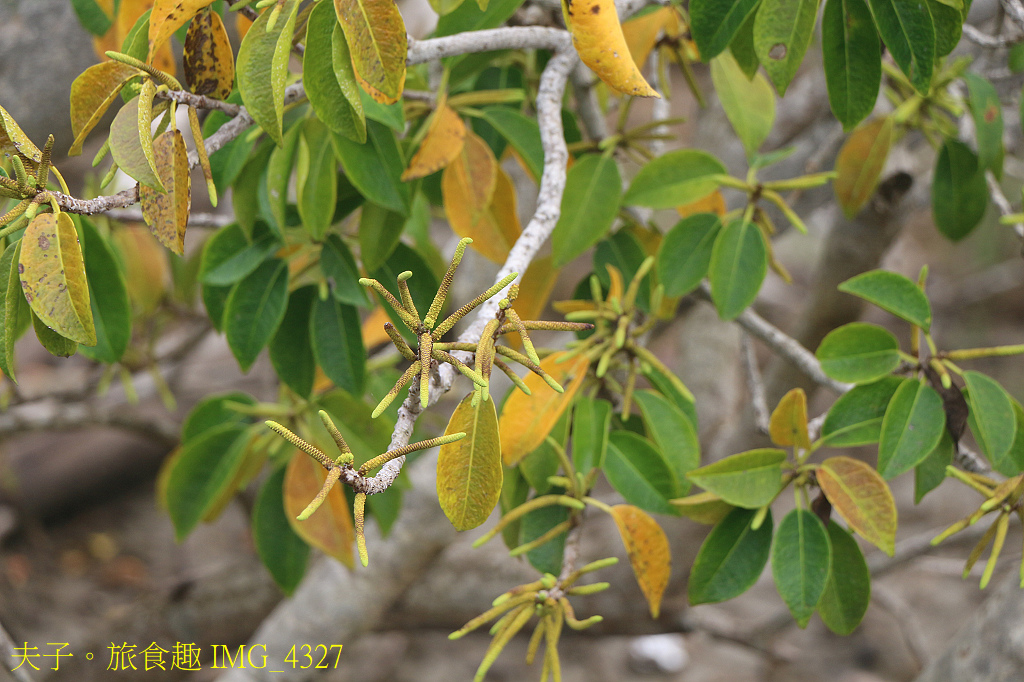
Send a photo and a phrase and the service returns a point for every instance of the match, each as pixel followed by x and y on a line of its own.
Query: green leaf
pixel 639 472
pixel 906 28
pixel 932 469
pixel 673 179
pixel 281 550
pixel 674 434
pixel 670 389
pixel 590 205
pixel 539 465
pixel 469 17
pixel 739 263
pixel 749 104
pixel 215 298
pixel 992 418
pixel 375 168
pixel 623 251
pixel 893 292
pixel 731 559
pixel 858 353
pixel 247 192
pixel 127 148
pixel 204 469
pixel 853 62
pixel 111 309
pixel 391 115
pixel 328 77
pixel 1013 462
pixel 911 428
pixel 229 257
pixel 213 411
pixel 848 590
pixel 227 162
pixel 862 498
pixel 548 557
pixel 685 253
pixel 782 34
pixel 341 272
pixel 959 191
pixel 749 479
pixel 316 180
pixel 379 232
pixel 948 21
pixel 590 425
pixel 469 470
pixel 987 112
pixel 338 344
pixel 13 300
pixel 523 134
pixel 291 350
pixel 262 68
pixel 856 418
pixel 254 310
pixel 801 558
pixel 54 343
pixel 53 277
pixel 742 47
pixel 423 284
pixel 715 22
pixel 92 17
pixel 279 173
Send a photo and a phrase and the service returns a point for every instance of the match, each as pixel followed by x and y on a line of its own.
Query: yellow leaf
pixel 642 32
pixel 166 213
pixel 92 94
pixel 469 473
pixel 712 203
pixel 373 328
pixel 329 529
pixel 535 288
pixel 526 420
pixel 207 57
pixel 53 277
pixel 146 270
pixel 860 162
pixel 597 36
pixel 788 425
pixel 862 498
pixel 13 139
pixel 377 40
pixel 707 508
pixel 648 551
pixel 168 16
pixel 242 25
pixel 442 144
pixel 649 238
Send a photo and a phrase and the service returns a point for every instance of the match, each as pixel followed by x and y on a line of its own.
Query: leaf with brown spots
pixel 598 38
pixel 92 94
pixel 329 529
pixel 377 40
pixel 166 213
pixel 208 60
pixel 53 277
pixel 648 551
pixel 168 16
pixel 442 144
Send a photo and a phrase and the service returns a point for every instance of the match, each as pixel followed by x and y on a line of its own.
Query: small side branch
pixel 756 385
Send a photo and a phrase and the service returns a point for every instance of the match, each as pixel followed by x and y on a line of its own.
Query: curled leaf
pixel 597 36
pixel 166 213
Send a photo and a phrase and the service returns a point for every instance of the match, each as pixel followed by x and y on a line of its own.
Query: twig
pixel 200 101
pixel 755 384
pixel 53 415
pixel 211 220
pixel 1001 202
pixel 986 40
pixel 1015 11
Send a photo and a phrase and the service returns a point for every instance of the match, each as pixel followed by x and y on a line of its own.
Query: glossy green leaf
pixel 670 389
pixel 215 298
pixel 742 47
pixel 959 191
pixel 215 410
pixel 279 173
pixel 856 418
pixel 205 468
pixel 715 22
pixel 590 205
pixel 911 428
pixel 893 292
pixel 782 34
pixel 375 168
pixel 338 344
pixel 254 310
pixel 13 300
pixel 227 162
pixel 291 350
pixel 342 273
pixel 469 471
pixel 639 472
pixel 675 178
pixel 739 263
pixel 992 418
pixel 547 557
pixel 111 310
pixel 801 558
pixel 749 103
pixel 731 559
pixel 247 192
pixel 948 21
pixel 390 115
pixel 262 68
pixel 228 256
pixel 379 232
pixel 858 353
pixel 674 434
pixel 906 28
pixel 848 590
pixel 316 179
pixel 127 148
pixel 987 112
pixel 328 77
pixel 590 425
pixel 92 17
pixel 932 469
pixel 282 551
pixel 749 479
pixel 852 57
pixel 469 17
pixel 523 134
pixel 685 253
pixel 1013 462
pixel 55 344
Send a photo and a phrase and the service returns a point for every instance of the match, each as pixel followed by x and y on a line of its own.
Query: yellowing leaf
pixel 91 95
pixel 131 146
pixel 862 498
pixel 146 271
pixel 860 163
pixel 597 36
pixel 329 529
pixel 13 139
pixel 170 15
pixel 207 57
pixel 377 40
pixel 707 508
pixel 788 425
pixel 373 328
pixel 641 33
pixel 53 277
pixel 442 144
pixel 535 288
pixel 712 203
pixel 648 551
pixel 166 213
pixel 526 420
pixel 469 471
pixel 262 69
